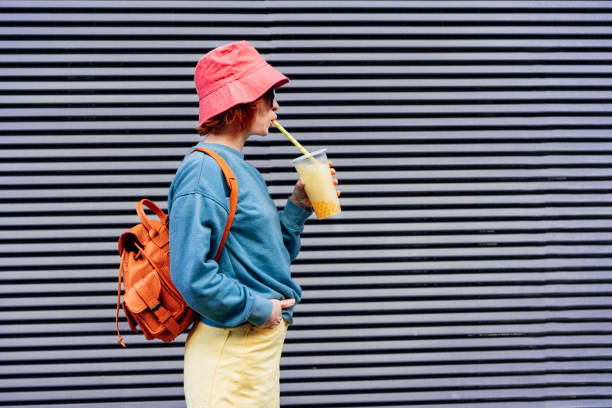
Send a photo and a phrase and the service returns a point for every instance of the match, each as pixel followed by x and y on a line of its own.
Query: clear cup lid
pixel 306 156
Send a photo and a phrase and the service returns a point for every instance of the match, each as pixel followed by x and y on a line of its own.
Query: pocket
pixel 259 339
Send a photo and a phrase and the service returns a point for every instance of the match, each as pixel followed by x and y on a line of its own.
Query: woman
pixel 246 300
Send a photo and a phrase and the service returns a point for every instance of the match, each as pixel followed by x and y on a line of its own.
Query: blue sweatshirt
pixel 255 263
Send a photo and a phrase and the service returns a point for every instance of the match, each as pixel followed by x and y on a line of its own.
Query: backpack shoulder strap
pixel 232 183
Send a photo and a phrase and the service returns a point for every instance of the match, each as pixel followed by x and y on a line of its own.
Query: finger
pixel 338 193
pixel 332 171
pixel 287 303
pixel 335 181
pixel 330 163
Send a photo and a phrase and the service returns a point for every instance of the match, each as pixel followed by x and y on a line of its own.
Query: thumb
pixel 287 303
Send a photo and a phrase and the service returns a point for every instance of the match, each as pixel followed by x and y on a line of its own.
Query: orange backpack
pixel 151 300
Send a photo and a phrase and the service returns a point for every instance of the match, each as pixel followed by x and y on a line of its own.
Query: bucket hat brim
pixel 245 89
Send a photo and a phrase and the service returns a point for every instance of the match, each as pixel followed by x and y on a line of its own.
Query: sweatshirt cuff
pixel 261 311
pixel 295 215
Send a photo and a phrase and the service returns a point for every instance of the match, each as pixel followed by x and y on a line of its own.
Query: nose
pixel 275 106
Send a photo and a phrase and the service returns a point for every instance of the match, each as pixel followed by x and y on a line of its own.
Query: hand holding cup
pixel 299 196
pixel 315 172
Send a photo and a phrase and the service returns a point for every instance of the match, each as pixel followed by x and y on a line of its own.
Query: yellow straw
pixel 295 142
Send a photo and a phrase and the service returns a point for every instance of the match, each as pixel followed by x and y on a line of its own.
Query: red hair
pixel 238 117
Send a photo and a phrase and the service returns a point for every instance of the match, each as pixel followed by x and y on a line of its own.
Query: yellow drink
pixel 314 170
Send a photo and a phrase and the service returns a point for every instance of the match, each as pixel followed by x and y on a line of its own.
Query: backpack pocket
pixel 157 312
pixel 142 301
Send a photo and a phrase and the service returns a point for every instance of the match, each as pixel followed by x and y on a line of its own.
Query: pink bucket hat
pixel 232 74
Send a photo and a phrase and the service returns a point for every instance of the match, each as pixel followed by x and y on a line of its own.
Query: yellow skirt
pixel 236 367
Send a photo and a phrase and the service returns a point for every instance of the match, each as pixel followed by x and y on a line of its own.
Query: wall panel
pixel 470 265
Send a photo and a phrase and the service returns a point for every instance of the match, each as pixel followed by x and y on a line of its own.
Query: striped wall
pixel 470 266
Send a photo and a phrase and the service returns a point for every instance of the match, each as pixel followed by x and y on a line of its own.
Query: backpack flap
pixel 158 233
pixel 143 299
pixel 144 294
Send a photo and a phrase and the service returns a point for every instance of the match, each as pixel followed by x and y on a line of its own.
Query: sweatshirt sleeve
pixel 292 220
pixel 197 223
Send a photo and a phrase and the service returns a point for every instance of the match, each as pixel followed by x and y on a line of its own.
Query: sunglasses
pixel 269 97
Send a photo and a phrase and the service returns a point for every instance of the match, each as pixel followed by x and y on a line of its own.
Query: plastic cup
pixel 313 168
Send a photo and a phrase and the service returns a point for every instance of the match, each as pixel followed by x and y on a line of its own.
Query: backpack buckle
pixel 154 308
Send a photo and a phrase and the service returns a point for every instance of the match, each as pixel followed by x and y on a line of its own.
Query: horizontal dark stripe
pixel 321 377
pixel 340 272
pixel 270 9
pixel 441 310
pixel 296 129
pixel 68 77
pixel 336 155
pixel 396 402
pixel 135 372
pixel 100 400
pixel 425 49
pixel 459 193
pixel 477 296
pixel 330 405
pixel 318 102
pixel 228 36
pixel 83 144
pixel 371 207
pixel 474 206
pixel 483 283
pixel 288 22
pixel 395 89
pixel 584 280
pixel 358 259
pixel 483 193
pixel 463 336
pixel 379 194
pixel 364 389
pixel 337 234
pixel 352 312
pixel 133 359
pixel 476 179
pixel 110 373
pixel 314 116
pixel 463 402
pixel 356 389
pixel 178 345
pixel 385 364
pixel 343 326
pixel 458 323
pixel 335 300
pixel 352 247
pixel 450 271
pixel 95 386
pixel 345 167
pixel 323 63
pixel 344 286
pixel 338 221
